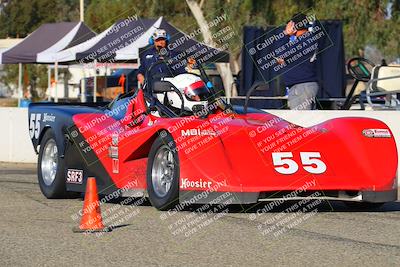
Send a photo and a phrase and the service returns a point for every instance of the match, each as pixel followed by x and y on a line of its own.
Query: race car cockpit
pixel 184 94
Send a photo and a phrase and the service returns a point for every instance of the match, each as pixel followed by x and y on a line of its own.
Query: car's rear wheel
pixel 163 173
pixel 51 168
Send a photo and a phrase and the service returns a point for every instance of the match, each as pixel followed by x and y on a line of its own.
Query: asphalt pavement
pixel 36 231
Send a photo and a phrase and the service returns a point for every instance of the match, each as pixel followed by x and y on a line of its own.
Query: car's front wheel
pixel 163 173
pixel 51 168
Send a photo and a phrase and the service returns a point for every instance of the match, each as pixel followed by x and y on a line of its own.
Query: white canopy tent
pixel 48 38
pixel 113 45
pixel 69 54
pixel 131 52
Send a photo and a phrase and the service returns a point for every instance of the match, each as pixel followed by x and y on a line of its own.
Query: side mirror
pixel 162 87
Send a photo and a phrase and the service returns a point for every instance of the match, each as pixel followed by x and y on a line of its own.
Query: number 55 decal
pixel 310 161
pixel 34 125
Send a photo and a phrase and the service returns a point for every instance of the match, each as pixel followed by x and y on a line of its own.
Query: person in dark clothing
pixel 299 68
pixel 158 52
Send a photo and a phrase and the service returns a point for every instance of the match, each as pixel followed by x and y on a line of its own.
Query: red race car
pixel 176 142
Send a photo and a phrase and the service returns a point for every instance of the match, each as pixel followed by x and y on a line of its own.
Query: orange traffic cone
pixel 91 220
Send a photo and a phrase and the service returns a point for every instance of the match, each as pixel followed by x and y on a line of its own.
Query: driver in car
pixel 193 90
pixel 159 51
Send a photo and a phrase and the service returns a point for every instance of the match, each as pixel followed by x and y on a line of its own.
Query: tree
pixel 223 68
pixel 364 23
pixel 18 19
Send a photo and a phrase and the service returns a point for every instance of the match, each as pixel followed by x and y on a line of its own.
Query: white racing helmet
pixel 193 89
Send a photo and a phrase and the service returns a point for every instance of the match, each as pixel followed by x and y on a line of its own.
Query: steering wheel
pixel 152 97
pixel 176 91
pixel 358 67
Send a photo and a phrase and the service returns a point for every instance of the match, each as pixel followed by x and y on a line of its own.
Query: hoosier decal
pixel 186 183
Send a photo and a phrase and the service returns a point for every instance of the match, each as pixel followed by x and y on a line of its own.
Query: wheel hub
pixel 163 171
pixel 49 162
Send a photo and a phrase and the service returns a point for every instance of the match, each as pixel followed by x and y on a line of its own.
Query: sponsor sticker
pixel 186 183
pixel 192 132
pixel 377 133
pixel 114 139
pixel 113 152
pixel 49 117
pixel 74 176
pixel 115 165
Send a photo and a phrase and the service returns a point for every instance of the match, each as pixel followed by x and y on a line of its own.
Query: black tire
pixel 57 187
pixel 171 199
pixel 363 205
